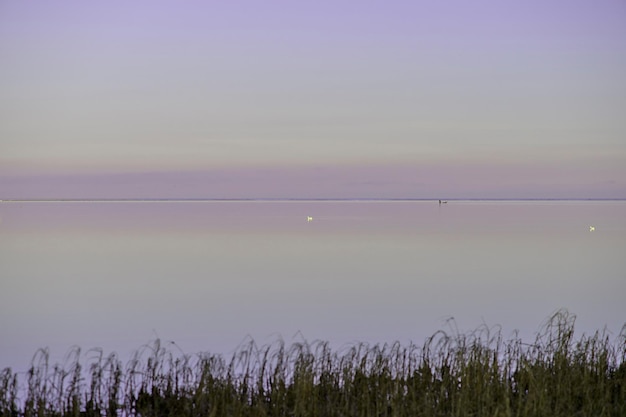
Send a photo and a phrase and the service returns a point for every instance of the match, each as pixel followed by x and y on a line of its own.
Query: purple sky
pixel 416 99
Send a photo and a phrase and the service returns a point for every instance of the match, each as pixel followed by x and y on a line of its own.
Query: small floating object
pixel 592 228
pixel 443 202
pixel 309 218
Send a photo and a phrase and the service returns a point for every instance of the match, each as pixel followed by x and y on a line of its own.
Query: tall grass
pixel 451 374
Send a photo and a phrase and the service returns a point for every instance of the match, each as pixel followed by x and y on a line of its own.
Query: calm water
pixel 207 274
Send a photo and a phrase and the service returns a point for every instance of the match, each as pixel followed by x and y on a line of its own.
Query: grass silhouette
pixel 451 374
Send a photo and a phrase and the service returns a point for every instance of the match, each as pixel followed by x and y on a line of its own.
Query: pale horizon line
pixel 284 199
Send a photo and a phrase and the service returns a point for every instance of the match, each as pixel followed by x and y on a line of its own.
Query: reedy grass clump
pixel 452 374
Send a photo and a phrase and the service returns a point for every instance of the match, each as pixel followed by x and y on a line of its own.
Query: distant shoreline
pixel 278 200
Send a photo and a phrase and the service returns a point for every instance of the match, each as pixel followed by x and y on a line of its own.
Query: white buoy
pixel 592 228
pixel 309 218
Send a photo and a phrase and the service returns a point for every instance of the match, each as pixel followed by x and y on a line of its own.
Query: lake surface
pixel 207 274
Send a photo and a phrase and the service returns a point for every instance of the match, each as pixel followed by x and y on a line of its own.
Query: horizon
pixel 293 199
pixel 314 182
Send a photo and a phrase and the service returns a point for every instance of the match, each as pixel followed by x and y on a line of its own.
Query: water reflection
pixel 208 274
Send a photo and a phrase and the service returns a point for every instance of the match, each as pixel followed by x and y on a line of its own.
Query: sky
pixel 313 99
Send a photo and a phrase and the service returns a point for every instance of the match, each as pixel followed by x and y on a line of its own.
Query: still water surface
pixel 207 274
